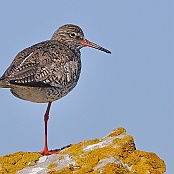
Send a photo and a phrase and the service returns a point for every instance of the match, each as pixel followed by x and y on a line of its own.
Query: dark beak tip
pixel 108 52
pixel 86 42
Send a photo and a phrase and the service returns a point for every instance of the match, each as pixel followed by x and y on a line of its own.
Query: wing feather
pixel 41 65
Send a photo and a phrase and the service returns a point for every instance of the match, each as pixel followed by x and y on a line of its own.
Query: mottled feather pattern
pixel 50 69
pixel 49 62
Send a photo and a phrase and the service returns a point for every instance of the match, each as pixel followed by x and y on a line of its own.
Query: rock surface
pixel 114 153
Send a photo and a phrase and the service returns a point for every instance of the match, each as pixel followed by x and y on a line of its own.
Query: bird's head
pixel 73 36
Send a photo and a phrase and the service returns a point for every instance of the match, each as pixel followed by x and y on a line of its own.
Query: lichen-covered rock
pixel 114 153
pixel 14 162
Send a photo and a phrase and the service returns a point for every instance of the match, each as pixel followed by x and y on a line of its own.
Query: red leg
pixel 45 150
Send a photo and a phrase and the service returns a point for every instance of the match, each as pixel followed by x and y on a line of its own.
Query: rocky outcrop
pixel 114 153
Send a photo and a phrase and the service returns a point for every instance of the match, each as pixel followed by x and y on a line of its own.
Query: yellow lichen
pixel 77 149
pixel 125 146
pixel 90 142
pixel 53 165
pixel 120 148
pixel 52 171
pixel 87 161
pixel 61 157
pixel 111 168
pixel 143 162
pixel 128 159
pixel 118 131
pixel 14 162
pixel 65 170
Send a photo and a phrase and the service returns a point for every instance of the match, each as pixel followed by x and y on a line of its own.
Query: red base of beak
pixel 87 43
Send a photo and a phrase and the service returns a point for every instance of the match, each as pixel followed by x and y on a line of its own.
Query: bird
pixel 49 70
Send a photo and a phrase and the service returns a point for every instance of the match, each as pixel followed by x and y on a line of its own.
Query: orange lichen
pixel 14 162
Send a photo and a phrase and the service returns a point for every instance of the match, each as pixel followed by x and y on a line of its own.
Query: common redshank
pixel 49 70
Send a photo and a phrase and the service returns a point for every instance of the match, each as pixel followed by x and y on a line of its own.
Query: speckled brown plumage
pixel 49 70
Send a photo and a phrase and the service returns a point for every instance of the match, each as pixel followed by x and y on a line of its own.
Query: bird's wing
pixel 34 65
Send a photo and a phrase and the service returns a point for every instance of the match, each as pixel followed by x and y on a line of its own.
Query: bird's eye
pixel 72 34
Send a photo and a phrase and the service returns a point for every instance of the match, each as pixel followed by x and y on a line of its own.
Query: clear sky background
pixel 132 88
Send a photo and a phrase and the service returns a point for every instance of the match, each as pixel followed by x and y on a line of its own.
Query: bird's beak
pixel 86 42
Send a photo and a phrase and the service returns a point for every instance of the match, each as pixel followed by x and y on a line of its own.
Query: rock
pixel 114 153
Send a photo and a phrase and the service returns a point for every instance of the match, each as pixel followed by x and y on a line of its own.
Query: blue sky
pixel 133 87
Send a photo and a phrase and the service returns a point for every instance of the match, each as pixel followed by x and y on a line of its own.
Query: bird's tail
pixel 4 84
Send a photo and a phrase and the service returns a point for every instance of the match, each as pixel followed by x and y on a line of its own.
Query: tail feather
pixel 4 84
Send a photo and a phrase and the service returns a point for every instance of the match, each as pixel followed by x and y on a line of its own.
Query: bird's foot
pixel 46 152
